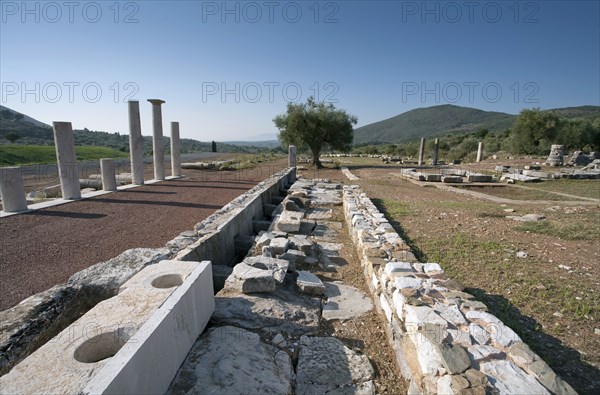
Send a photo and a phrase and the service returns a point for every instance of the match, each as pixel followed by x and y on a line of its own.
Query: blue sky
pixel 225 69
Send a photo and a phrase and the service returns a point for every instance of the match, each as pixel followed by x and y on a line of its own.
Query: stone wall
pixel 33 322
pixel 445 341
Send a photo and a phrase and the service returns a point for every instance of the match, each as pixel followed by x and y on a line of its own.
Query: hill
pixel 33 132
pixel 13 155
pixel 431 121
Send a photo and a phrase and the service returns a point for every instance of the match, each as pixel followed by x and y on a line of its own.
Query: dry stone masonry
pixel 265 331
pixel 445 341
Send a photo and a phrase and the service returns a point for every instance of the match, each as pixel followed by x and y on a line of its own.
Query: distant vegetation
pixel 23 130
pixel 531 132
pixel 11 155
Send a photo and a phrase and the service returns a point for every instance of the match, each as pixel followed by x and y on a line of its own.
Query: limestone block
pixel 510 379
pixel 289 221
pixel 277 267
pixel 309 283
pixel 279 245
pixel 230 360
pixel 248 279
pixel 499 332
pixel 407 282
pixel 396 267
pixel 326 365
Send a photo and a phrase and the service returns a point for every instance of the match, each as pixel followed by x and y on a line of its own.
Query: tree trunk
pixel 316 161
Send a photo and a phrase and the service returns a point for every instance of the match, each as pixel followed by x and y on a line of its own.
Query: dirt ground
pixel 551 298
pixel 40 249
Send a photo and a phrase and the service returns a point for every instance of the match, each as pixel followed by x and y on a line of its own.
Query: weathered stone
pixel 279 340
pixel 508 378
pixel 395 267
pixel 432 267
pixel 26 326
pixel 451 314
pixel 319 214
pixel 309 283
pixel 450 385
pixel 283 311
pixel 521 354
pixel 277 267
pixel 454 358
pixel 419 315
pixel 407 282
pixel 499 332
pixel 452 179
pixel 248 279
pixel 480 335
pixel 473 305
pixel 326 365
pixel 301 244
pixel 344 302
pixel 289 221
pixel 480 353
pixel 549 379
pixel 103 280
pixel 527 217
pixel 264 240
pixel 460 337
pixel 385 306
pixel 279 245
pixel 232 360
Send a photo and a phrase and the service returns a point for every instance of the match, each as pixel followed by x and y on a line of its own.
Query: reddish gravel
pixel 43 248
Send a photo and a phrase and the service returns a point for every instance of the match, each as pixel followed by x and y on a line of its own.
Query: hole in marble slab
pixel 167 281
pixel 101 347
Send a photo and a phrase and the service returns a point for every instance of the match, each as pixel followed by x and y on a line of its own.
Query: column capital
pixel 156 101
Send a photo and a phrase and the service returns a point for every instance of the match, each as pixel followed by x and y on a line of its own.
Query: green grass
pixel 12 155
pixel 577 231
pixel 394 208
pixel 585 188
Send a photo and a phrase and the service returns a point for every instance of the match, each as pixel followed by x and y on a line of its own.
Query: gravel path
pixel 43 248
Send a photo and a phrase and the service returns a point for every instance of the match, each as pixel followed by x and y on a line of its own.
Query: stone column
pixel 11 190
pixel 136 152
pixel 480 151
pixel 436 149
pixel 175 150
pixel 157 139
pixel 68 169
pixel 292 156
pixel 107 169
pixel 421 151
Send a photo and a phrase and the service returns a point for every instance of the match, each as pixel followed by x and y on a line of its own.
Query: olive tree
pixel 315 126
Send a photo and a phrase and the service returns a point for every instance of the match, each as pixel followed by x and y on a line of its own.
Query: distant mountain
pixel 430 121
pixel 260 137
pixel 585 112
pixel 438 120
pixel 251 143
pixel 25 118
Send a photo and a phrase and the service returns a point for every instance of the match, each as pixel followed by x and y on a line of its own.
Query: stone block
pixel 279 245
pixel 248 279
pixel 407 282
pixel 309 283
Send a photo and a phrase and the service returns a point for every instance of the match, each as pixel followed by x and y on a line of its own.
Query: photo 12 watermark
pixel 270 11
pixel 67 91
pixel 469 91
pixel 268 91
pixel 69 11
pixel 469 11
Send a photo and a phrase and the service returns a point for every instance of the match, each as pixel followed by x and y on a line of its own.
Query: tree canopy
pixel 535 130
pixel 315 126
